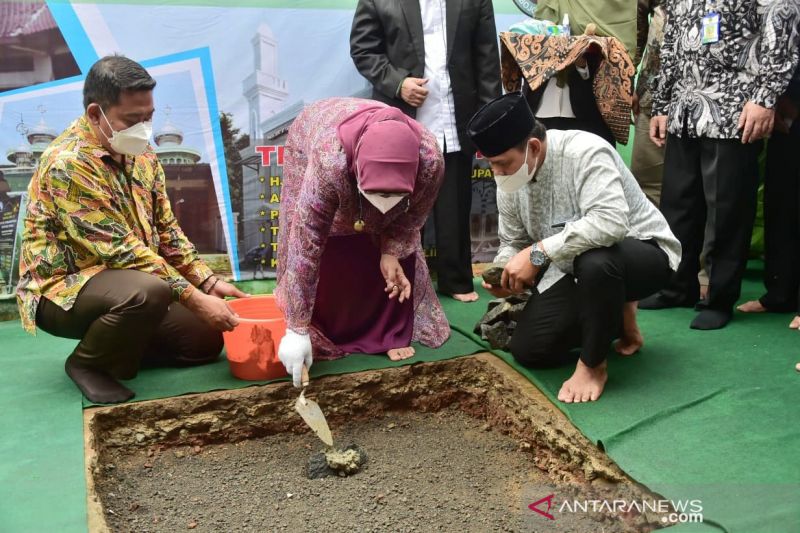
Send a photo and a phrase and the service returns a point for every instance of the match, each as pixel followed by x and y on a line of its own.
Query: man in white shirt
pixel 438 61
pixel 575 228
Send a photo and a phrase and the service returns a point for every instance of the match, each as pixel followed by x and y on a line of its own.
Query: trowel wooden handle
pixel 304 377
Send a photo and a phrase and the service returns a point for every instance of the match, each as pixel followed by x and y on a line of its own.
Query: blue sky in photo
pixel 174 90
pixel 313 46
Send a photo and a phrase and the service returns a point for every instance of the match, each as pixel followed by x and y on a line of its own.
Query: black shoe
pixel 97 385
pixel 711 319
pixel 661 300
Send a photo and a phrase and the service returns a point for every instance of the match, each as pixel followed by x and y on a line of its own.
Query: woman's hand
pixel 397 285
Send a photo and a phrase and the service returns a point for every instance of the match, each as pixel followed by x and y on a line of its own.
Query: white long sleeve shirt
pixel 584 185
pixel 437 113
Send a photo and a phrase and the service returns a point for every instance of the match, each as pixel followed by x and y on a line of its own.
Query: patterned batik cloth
pixel 87 213
pixel 320 199
pixel 538 57
pixel 702 88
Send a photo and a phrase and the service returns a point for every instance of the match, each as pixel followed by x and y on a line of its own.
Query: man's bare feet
pixel 467 297
pixel 795 323
pixel 631 340
pixel 585 385
pixel 753 306
pixel 398 354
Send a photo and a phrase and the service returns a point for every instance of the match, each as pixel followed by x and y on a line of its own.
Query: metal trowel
pixel 311 413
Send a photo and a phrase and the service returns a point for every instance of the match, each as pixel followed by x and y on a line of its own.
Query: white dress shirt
pixel 555 100
pixel 437 113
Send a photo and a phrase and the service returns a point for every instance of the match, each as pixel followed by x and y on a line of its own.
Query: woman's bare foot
pixel 585 385
pixel 631 340
pixel 398 354
pixel 467 297
pixel 795 323
pixel 753 306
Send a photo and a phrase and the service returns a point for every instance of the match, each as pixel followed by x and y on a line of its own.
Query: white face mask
pixel 130 141
pixel 383 202
pixel 513 182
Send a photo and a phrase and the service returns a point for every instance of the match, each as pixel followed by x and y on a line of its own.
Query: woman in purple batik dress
pixel 359 180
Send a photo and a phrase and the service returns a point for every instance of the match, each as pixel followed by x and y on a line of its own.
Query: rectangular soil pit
pixel 465 444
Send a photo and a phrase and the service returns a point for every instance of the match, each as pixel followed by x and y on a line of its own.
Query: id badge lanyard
pixel 709 24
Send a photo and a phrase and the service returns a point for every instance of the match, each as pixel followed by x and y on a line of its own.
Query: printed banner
pixel 231 78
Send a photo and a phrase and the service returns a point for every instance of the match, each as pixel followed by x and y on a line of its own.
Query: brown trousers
pixel 124 318
pixel 647 159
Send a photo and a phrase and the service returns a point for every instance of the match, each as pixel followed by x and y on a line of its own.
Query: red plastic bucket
pixel 252 347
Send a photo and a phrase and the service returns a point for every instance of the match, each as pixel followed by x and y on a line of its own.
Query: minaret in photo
pixel 264 90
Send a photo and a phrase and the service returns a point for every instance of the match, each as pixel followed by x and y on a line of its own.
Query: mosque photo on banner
pixel 225 188
pixel 32 47
pixel 183 139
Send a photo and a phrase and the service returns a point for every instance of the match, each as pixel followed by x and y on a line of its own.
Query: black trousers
pixel 126 317
pixel 711 181
pixel 585 311
pixel 451 220
pixel 782 222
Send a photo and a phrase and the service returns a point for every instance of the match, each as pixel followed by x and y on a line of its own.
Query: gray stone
pixel 496 334
pixel 520 298
pixel 498 313
pixel 515 312
pixel 493 274
pixel 494 303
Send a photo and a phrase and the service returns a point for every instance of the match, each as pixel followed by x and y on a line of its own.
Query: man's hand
pixel 635 106
pixel 755 122
pixel 413 91
pixel 294 352
pixel 519 273
pixel 658 130
pixel 223 288
pixel 212 310
pixel 397 284
pixel 497 292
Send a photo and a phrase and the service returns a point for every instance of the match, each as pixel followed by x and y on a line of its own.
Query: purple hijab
pixel 382 148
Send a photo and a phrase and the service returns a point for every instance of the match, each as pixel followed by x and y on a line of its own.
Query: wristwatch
pixel 538 256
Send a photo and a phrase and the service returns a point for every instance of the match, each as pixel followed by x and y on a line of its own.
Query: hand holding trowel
pixel 312 414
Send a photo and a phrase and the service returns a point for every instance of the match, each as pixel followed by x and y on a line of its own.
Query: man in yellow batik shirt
pixel 103 258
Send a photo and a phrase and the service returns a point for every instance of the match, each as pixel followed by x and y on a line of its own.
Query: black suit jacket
pixel 387 45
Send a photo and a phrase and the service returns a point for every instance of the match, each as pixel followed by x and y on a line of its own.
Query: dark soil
pixel 440 471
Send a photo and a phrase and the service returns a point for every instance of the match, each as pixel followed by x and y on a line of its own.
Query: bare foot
pixel 398 354
pixel 629 344
pixel 753 306
pixel 466 297
pixel 631 340
pixel 795 323
pixel 585 385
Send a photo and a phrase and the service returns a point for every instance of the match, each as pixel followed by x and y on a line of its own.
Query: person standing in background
pixel 647 158
pixel 437 61
pixel 782 212
pixel 724 65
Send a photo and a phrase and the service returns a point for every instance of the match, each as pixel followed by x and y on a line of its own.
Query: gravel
pixel 426 472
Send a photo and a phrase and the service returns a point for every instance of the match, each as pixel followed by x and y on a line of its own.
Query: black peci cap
pixel 501 124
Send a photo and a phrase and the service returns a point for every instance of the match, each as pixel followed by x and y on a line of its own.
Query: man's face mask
pixel 130 141
pixel 513 182
pixel 383 202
